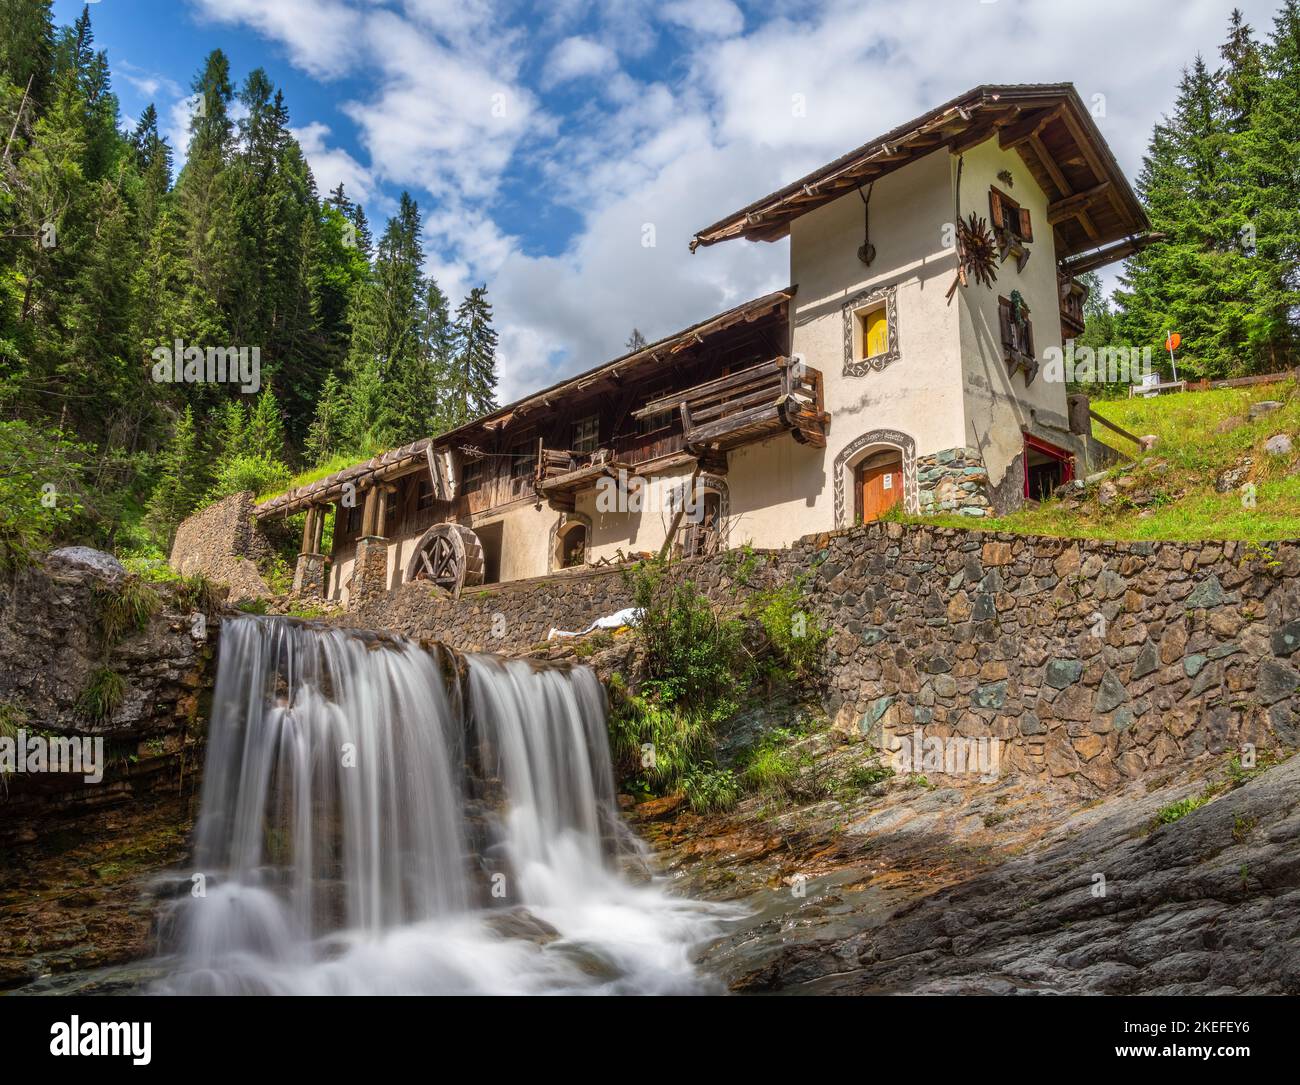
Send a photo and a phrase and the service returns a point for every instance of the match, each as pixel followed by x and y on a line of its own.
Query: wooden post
pixel 370 513
pixel 309 531
pixel 381 509
pixel 318 533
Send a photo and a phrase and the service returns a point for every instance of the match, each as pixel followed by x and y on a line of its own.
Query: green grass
pixel 102 695
pixel 1186 506
pixel 128 608
pixel 313 474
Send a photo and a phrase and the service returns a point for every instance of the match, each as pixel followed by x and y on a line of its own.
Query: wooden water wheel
pixel 449 555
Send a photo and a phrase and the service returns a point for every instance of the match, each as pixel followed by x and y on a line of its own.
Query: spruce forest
pixel 113 247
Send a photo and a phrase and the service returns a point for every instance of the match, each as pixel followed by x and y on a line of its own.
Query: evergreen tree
pixel 180 482
pixel 635 341
pixel 472 386
pixel 27 47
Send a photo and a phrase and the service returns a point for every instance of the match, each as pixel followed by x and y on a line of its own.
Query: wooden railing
pixel 749 405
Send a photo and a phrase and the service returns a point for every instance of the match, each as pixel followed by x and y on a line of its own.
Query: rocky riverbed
pixel 1185 883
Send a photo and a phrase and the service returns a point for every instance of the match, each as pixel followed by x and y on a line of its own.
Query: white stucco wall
pixel 999 403
pixel 917 394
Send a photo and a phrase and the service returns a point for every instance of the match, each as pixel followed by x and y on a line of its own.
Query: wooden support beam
pixel 1021 131
pixel 1075 205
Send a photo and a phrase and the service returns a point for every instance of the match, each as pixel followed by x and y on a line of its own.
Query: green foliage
pixel 127 608
pixel 39 490
pixel 660 743
pixel 710 790
pixel 769 767
pixel 694 657
pixel 254 471
pixel 1219 180
pixel 1167 815
pixel 197 592
pixel 104 692
pixel 239 252
pixel 792 629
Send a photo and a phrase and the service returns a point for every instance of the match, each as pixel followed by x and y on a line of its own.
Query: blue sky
pixel 546 143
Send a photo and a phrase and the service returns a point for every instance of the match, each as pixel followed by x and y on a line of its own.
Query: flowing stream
pixel 378 818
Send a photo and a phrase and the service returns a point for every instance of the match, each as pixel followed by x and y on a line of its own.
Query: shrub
pixel 710 790
pixel 678 739
pixel 40 490
pixel 256 472
pixel 791 628
pixel 693 656
pixel 197 592
pixel 770 768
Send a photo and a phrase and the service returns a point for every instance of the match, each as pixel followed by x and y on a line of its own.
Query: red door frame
pixel 1066 459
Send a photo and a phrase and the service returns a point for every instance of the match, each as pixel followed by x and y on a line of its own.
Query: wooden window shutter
pixel 1026 228
pixel 1004 322
pixel 1029 338
pixel 995 209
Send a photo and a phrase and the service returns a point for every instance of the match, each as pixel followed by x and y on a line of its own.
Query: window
pixel 424 498
pixel 573 546
pixel 1008 215
pixel 873 332
pixel 1017 336
pixel 471 476
pixel 354 520
pixel 651 423
pixel 586 434
pixel 523 459
pixel 392 513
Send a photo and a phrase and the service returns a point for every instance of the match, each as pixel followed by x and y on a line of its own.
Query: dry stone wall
pixel 224 543
pixel 1091 662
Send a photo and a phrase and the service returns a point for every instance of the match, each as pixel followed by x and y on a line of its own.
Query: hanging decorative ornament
pixel 866 251
pixel 977 253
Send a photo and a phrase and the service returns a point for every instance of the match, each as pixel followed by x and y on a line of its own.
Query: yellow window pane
pixel 876 328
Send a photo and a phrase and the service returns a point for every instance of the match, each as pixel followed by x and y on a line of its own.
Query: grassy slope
pixel 1195 451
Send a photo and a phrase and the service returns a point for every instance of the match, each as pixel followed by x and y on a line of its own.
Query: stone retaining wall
pixel 224 543
pixel 1090 661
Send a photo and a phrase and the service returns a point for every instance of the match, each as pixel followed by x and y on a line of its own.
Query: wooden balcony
pixel 561 474
pixel 1073 295
pixel 776 396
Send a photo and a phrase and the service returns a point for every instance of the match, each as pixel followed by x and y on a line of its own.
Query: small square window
pixel 873 332
pixel 586 434
pixel 471 476
pixel 652 423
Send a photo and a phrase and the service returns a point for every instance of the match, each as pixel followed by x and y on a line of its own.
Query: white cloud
pixel 717 17
pixel 332 166
pixel 575 58
pixel 320 35
pixel 714 127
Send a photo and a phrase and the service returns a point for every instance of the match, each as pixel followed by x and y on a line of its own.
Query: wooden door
pixel 879 488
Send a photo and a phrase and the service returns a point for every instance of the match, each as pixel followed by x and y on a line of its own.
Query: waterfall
pixel 380 818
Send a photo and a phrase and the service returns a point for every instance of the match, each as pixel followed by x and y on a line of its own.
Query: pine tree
pixel 27 47
pixel 1197 281
pixel 181 480
pixel 635 341
pixel 1273 163
pixel 474 375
